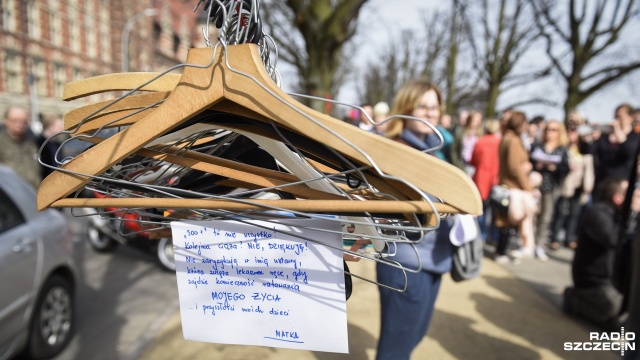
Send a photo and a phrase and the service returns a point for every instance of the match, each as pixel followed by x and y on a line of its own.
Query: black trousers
pixel 507 240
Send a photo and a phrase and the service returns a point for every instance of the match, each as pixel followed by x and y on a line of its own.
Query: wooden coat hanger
pixel 202 88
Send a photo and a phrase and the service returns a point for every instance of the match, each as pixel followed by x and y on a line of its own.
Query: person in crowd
pixel 405 316
pixel 575 189
pixel 532 134
pixel 485 159
pixel 574 118
pixel 447 136
pixel 465 140
pixel 504 117
pixel 18 150
pixel 551 160
pixel 514 173
pixel 51 126
pixel 636 120
pixel 614 151
pixel 380 113
pixel 366 115
pixel 461 121
pixel 593 295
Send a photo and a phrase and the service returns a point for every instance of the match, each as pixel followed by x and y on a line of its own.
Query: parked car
pixel 37 303
pixel 115 227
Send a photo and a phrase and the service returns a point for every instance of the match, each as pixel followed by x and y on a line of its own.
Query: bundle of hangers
pixel 223 141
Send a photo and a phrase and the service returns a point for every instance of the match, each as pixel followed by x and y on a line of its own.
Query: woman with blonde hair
pixel 551 160
pixel 575 188
pixel 423 100
pixel 405 316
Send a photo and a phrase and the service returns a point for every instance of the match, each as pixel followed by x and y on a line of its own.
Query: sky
pixel 382 20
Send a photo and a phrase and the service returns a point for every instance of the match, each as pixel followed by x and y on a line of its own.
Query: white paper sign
pixel 253 283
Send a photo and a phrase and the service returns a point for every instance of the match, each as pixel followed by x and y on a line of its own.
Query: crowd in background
pixel 560 163
pixel 21 142
pixel 568 182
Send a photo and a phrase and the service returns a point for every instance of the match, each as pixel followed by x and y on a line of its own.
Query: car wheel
pixel 98 240
pixel 165 254
pixel 52 321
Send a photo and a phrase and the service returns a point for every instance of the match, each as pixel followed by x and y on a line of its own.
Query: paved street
pixel 123 299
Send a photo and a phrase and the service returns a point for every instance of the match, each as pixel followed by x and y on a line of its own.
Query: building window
pixel 59 80
pixel 157 31
pixel 105 38
pixel 39 73
pixel 9 14
pixel 76 74
pixel 33 19
pixel 91 42
pixel 55 23
pixel 13 74
pixel 73 12
pixel 74 36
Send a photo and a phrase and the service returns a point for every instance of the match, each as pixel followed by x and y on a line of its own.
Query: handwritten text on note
pixel 255 283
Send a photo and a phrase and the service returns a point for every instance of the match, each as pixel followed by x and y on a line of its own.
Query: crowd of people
pixel 557 164
pixel 567 183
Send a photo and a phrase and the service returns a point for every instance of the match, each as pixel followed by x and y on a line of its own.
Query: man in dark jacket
pixel 614 151
pixel 594 297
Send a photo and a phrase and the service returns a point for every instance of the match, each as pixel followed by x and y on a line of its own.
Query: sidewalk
pixel 510 312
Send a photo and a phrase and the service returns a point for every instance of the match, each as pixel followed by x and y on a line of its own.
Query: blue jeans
pixel 405 316
pixel 487 223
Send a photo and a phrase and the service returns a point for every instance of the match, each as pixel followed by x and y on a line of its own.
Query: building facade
pixel 45 44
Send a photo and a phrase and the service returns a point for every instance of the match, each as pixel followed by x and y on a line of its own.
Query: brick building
pixel 46 43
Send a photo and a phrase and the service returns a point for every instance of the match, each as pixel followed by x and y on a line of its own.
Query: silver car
pixel 37 279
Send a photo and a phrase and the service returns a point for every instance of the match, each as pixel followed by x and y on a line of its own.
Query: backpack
pixel 468 252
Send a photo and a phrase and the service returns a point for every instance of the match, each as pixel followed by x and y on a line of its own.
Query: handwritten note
pixel 259 283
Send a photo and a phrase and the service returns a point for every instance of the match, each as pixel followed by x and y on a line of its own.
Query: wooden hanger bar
pixel 199 89
pixel 119 82
pixel 132 102
pixel 310 206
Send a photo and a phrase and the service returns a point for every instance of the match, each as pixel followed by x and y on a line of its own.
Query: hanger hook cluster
pixel 239 21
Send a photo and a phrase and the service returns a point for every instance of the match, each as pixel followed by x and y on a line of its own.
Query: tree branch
pixel 611 74
pixel 537 100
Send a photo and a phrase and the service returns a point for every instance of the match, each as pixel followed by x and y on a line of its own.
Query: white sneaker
pixel 521 253
pixel 516 254
pixel 527 253
pixel 541 254
pixel 506 260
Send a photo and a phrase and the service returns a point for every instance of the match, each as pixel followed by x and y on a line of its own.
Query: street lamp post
pixel 125 35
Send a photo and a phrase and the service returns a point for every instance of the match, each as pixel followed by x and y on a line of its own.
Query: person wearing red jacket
pixel 485 159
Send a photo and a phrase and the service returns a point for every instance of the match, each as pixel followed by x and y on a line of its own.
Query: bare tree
pixel 583 43
pixel 311 35
pixel 450 59
pixel 501 36
pixel 398 63
pixel 429 55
